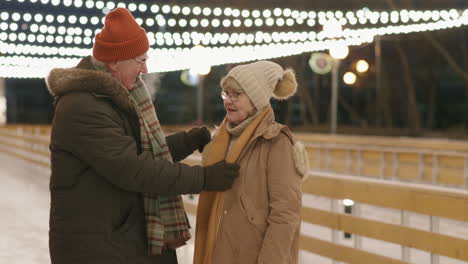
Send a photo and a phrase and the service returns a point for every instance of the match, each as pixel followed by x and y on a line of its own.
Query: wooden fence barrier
pixel 404 197
pixel 434 202
pixel 430 161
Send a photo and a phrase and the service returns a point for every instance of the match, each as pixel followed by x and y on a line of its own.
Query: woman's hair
pixel 231 83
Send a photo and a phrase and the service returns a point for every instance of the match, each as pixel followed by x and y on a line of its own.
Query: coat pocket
pixel 128 221
pixel 255 216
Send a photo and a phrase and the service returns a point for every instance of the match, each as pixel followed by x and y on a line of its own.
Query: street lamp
pixel 201 68
pixel 338 52
pixel 362 66
pixel 349 78
pixel 3 102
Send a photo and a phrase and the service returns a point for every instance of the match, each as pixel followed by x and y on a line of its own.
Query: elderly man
pixel 116 181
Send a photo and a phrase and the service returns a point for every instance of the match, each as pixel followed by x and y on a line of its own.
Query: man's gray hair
pixel 98 63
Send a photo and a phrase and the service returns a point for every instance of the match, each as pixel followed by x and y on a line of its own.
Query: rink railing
pixel 434 202
pixel 429 161
pixel 438 204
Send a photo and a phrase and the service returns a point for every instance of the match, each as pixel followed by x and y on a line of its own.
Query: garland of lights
pixel 369 33
pixel 169 39
pixel 172 60
pixel 72 35
pixel 245 46
pixel 179 59
pixel 278 17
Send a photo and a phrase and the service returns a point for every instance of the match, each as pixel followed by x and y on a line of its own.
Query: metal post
pixel 360 163
pixel 395 165
pixel 200 99
pixel 334 96
pixel 465 173
pixel 421 168
pixel 348 162
pixel 357 213
pixel 3 104
pixel 382 165
pixel 378 77
pixel 319 157
pixel 435 169
pixel 335 234
pixel 435 223
pixel 405 251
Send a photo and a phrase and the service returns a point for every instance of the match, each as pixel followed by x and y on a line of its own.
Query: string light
pixel 364 16
pixel 167 59
pixel 247 46
pixel 368 33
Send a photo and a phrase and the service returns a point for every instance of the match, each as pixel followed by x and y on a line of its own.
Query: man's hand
pixel 220 176
pixel 198 137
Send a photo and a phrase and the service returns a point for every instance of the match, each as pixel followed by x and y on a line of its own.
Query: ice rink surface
pixel 25 202
pixel 24 221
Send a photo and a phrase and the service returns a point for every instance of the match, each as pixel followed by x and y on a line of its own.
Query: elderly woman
pixel 258 220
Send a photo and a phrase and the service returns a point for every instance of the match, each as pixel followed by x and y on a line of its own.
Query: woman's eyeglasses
pixel 234 96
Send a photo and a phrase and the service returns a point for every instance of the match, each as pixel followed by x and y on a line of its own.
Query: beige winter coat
pixel 261 213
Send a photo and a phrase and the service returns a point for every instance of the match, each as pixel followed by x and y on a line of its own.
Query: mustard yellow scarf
pixel 210 204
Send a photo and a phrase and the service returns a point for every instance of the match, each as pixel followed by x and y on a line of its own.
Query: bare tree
pixel 386 93
pixel 303 91
pixel 432 106
pixel 464 51
pixel 289 111
pixel 316 96
pixel 446 55
pixel 443 52
pixel 355 117
pixel 306 104
pixel 413 118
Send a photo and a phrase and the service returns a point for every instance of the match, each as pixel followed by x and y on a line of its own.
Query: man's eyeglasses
pixel 234 96
pixel 141 61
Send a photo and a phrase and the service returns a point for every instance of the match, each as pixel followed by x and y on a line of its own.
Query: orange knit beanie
pixel 121 38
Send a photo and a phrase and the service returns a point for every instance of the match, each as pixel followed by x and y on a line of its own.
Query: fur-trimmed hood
pixel 85 78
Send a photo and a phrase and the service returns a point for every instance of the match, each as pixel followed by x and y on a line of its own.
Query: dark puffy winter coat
pixel 99 172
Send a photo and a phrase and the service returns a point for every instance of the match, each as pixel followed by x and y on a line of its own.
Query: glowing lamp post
pixel 201 68
pixel 349 78
pixel 338 53
pixel 3 103
pixel 362 66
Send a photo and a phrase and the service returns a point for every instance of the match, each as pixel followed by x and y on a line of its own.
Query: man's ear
pixel 112 66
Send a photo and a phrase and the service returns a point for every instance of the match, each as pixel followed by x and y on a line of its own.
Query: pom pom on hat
pixel 263 79
pixel 286 87
pixel 121 38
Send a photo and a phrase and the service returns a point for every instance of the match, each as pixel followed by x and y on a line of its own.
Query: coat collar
pixel 269 128
pixel 85 78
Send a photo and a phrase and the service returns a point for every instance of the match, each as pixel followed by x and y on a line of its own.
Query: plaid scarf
pixel 167 225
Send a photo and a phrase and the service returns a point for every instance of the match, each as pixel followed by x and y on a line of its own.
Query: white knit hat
pixel 263 79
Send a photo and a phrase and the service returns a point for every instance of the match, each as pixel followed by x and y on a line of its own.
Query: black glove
pixel 198 137
pixel 220 176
